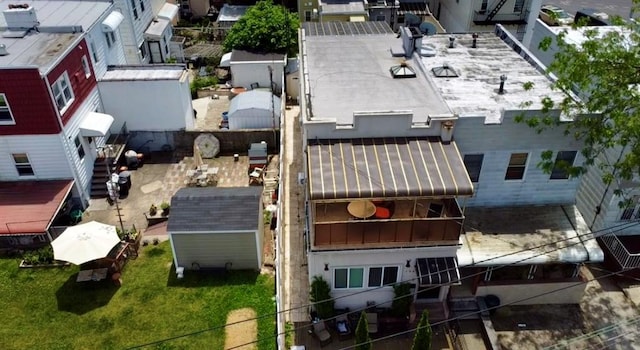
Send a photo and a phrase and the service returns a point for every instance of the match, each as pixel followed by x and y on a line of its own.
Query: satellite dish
pixel 427 28
pixel 412 20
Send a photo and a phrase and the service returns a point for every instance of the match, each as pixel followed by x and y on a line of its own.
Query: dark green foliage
pixel 201 82
pixel 422 338
pixel 363 341
pixel 265 28
pixel 402 299
pixel 41 256
pixel 321 296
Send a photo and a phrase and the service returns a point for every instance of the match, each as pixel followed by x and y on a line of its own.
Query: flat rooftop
pixel 145 72
pixel 42 48
pixel 475 91
pixel 343 7
pixel 526 235
pixel 350 73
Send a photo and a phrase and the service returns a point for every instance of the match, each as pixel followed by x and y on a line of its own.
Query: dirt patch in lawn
pixel 241 333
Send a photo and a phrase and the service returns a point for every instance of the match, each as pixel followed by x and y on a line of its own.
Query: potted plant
pixel 165 208
pixel 153 210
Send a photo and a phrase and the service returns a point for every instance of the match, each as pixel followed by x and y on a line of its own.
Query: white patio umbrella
pixel 85 242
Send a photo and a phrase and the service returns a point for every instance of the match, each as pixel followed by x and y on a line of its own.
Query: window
pixel 349 278
pixel 79 147
pixel 85 67
pixel 382 276
pixel 631 210
pixel 94 53
pixel 564 159
pixel 473 163
pixel 307 16
pixel 141 5
pixel 517 165
pixel 381 18
pixel 135 10
pixel 519 5
pixel 483 6
pixel 23 166
pixel 111 38
pixel 5 112
pixel 62 91
pixel 143 50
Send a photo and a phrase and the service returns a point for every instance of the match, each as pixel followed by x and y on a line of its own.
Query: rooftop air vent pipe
pixel 475 39
pixel 3 50
pixel 451 42
pixel 503 78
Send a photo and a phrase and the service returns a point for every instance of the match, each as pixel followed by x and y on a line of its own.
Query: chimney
pixel 451 42
pixel 20 17
pixel 503 78
pixel 475 39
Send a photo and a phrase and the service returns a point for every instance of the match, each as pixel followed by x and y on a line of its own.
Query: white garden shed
pixel 255 109
pixel 217 228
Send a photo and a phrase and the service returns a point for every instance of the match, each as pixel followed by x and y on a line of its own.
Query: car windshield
pixel 562 14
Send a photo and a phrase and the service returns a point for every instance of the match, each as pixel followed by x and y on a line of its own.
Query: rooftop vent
pixel 452 41
pixel 20 17
pixel 402 71
pixel 501 89
pixel 3 50
pixel 475 39
pixel 444 71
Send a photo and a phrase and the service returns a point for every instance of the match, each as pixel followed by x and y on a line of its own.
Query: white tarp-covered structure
pixel 255 109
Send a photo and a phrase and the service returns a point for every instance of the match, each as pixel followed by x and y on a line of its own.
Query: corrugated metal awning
pixel 386 167
pixel 438 271
pixel 416 8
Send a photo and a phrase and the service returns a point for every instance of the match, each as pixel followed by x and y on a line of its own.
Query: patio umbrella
pixel 85 242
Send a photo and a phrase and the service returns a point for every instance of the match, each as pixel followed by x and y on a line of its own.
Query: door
pixel 155 50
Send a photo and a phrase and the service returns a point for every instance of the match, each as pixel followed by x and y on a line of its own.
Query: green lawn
pixel 47 309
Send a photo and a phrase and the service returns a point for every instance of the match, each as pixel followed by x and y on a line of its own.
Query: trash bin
pixel 124 180
pixel 131 158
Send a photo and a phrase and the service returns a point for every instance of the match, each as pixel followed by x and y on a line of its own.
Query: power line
pixel 610 229
pixel 566 343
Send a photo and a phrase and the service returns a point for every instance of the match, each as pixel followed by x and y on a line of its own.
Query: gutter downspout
pixel 65 143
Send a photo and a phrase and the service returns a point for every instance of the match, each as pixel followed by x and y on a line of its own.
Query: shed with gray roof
pixel 217 228
pixel 255 109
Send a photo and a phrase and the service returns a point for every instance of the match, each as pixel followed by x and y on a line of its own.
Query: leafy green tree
pixel 600 78
pixel 363 341
pixel 265 28
pixel 321 296
pixel 422 338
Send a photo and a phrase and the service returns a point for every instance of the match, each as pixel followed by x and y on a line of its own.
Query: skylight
pixel 402 71
pixel 444 71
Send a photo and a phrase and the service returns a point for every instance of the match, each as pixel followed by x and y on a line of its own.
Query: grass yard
pixel 48 309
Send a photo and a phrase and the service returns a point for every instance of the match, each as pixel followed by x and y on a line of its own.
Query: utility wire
pixel 566 343
pixel 610 229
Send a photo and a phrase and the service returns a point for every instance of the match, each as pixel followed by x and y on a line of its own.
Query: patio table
pixel 92 275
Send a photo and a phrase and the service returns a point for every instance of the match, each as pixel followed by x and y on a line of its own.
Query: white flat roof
pixel 474 92
pixel 345 7
pixel 153 72
pixel 41 49
pixel 350 73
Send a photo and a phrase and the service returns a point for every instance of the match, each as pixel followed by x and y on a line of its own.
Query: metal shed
pixel 255 109
pixel 216 227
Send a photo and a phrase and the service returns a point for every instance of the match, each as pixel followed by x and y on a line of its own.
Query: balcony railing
pixel 616 247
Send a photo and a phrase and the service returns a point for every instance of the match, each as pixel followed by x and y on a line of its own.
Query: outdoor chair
pixel 372 322
pixel 321 332
pixel 343 327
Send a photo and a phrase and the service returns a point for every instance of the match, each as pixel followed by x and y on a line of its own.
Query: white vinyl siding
pixel 46 157
pixel 216 249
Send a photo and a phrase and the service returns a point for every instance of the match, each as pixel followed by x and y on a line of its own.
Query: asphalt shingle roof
pixel 215 209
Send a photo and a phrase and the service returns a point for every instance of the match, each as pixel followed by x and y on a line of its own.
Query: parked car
pixel 554 16
pixel 593 17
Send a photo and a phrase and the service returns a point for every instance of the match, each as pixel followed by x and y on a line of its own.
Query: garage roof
pixel 215 209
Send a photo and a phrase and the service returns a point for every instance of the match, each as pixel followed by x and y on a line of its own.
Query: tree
pixel 321 297
pixel 363 341
pixel 600 78
pixel 265 28
pixel 422 338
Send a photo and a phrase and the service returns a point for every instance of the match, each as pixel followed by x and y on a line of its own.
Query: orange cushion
pixel 382 213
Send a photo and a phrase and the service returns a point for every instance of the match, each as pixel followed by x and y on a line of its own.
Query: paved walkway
pixel 296 277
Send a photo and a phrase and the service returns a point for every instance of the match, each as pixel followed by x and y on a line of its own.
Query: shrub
pixel 321 296
pixel 201 82
pixel 402 300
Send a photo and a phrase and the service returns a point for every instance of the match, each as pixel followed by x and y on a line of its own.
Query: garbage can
pixel 124 180
pixel 131 158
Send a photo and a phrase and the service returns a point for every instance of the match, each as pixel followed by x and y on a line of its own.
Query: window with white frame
pixel 473 163
pixel 631 210
pixel 85 67
pixel 352 277
pixel 5 111
pixel 135 10
pixel 23 166
pixel 143 50
pixel 62 91
pixel 79 147
pixel 94 52
pixel 517 166
pixel 111 38
pixel 564 160
pixel 382 276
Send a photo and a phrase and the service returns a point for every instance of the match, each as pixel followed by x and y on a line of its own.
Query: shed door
pixel 216 249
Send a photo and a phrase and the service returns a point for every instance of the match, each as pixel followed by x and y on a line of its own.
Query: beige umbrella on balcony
pixel 85 242
pixel 361 209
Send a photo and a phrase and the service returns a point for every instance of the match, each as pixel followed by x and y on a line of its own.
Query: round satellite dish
pixel 427 28
pixel 412 20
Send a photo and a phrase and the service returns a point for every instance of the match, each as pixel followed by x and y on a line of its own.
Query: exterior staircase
pixel 464 308
pixel 496 9
pixel 100 177
pixel 438 311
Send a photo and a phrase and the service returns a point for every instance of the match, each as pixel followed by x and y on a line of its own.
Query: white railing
pixel 626 259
